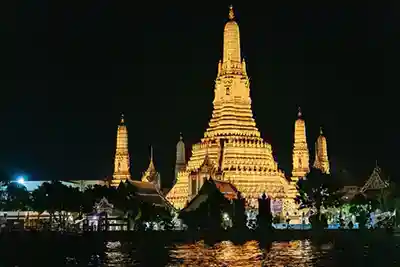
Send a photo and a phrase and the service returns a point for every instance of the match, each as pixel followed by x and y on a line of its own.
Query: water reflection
pixel 295 253
pixel 221 254
pixel 226 253
pixel 118 254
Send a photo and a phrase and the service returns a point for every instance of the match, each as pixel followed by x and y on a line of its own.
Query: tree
pixel 4 178
pixel 39 199
pixel 17 197
pixel 386 197
pixel 55 198
pixel 4 181
pixel 317 191
pixel 361 207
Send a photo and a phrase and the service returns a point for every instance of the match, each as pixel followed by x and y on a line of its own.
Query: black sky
pixel 69 70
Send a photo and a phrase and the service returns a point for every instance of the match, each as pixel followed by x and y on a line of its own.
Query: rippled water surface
pixel 89 252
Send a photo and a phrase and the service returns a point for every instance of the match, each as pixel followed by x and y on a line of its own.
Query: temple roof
pixel 148 192
pixel 144 187
pixel 228 190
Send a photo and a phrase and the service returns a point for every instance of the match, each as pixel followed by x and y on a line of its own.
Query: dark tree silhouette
pixel 319 190
pixel 17 197
pixel 361 207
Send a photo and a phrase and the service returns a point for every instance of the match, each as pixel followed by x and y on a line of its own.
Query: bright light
pixel 225 216
pixel 21 179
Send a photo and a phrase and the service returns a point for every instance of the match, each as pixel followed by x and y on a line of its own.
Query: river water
pixel 84 252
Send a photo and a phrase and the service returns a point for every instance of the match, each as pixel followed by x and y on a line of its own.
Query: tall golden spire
pixel 232 112
pixel 231 144
pixel 321 153
pixel 121 162
pixel 231 59
pixel 301 157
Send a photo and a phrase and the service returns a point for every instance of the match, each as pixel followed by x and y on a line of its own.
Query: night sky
pixel 68 71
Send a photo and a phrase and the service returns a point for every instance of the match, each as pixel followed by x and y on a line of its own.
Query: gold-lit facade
pixel 301 156
pixel 232 143
pixel 321 154
pixel 121 161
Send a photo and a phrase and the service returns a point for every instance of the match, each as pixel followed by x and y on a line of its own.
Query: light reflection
pixel 293 253
pixel 225 253
pixel 116 255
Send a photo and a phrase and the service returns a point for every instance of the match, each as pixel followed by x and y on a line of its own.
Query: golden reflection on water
pixel 115 256
pixel 293 253
pixel 225 253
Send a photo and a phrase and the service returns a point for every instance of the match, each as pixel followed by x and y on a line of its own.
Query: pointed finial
pixel 122 118
pixel 299 112
pixel 376 163
pixel 151 153
pixel 180 136
pixel 320 131
pixel 231 13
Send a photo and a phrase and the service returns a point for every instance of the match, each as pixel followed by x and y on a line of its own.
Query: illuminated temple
pixel 301 156
pixel 321 154
pixel 232 148
pixel 121 161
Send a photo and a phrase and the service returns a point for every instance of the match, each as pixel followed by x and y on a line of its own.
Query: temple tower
pixel 301 157
pixel 121 164
pixel 232 143
pixel 321 154
pixel 151 175
pixel 180 156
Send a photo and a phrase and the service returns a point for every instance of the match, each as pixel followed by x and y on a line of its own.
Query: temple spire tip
pixel 231 13
pixel 122 118
pixel 180 136
pixel 320 131
pixel 299 114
